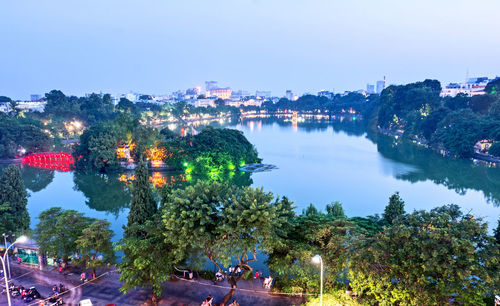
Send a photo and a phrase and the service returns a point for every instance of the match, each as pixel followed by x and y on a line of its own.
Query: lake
pixel 318 162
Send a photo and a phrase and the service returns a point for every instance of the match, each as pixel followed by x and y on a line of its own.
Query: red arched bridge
pixel 51 160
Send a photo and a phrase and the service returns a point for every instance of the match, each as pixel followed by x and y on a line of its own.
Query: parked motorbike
pixel 31 294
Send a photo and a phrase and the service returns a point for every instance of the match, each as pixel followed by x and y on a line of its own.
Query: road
pixel 105 290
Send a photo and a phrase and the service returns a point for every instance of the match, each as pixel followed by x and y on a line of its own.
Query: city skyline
pixel 157 48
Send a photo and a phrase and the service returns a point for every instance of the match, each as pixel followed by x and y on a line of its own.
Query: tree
pixel 222 223
pixel 493 87
pixel 495 149
pixel 335 210
pixel 14 217
pixel 143 205
pixel 496 232
pixel 94 245
pixel 426 259
pixel 308 234
pixel 460 130
pixel 5 99
pixel 58 230
pixel 127 105
pixel 17 134
pixel 97 149
pixel 148 260
pixel 395 209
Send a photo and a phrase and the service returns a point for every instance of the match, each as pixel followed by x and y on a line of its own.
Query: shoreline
pixel 481 157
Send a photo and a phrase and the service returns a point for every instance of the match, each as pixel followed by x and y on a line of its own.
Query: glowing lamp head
pixel 316 259
pixel 22 239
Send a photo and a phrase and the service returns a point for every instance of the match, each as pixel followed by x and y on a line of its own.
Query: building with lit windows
pixel 220 93
pixel 473 87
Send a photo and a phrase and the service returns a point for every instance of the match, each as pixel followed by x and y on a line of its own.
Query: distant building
pixel 204 103
pixel 35 97
pixel 221 93
pixel 370 89
pixel 263 94
pixel 209 85
pixel 289 95
pixel 472 87
pixel 380 86
pixel 240 94
pixel 327 94
pixel 249 102
pixel 193 91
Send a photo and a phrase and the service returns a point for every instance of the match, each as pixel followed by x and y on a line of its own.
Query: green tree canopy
pixel 97 149
pixel 58 231
pixel 148 261
pixel 426 259
pixel 14 217
pixel 395 209
pixel 335 210
pixel 94 245
pixel 223 223
pixel 143 205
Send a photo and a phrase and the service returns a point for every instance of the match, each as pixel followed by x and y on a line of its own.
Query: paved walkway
pixel 105 290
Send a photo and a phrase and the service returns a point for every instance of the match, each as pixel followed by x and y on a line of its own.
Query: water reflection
pixel 458 175
pixel 104 192
pixel 343 161
pixel 36 179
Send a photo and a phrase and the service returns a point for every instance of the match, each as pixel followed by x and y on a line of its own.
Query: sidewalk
pixel 105 290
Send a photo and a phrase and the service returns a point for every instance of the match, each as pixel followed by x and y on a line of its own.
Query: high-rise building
pixel 370 89
pixel 209 85
pixel 380 86
pixel 289 95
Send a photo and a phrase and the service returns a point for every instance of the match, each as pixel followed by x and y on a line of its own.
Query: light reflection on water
pixel 318 162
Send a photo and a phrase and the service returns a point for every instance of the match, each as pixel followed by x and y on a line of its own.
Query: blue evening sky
pixel 157 46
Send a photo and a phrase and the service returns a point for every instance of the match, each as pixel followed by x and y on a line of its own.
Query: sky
pixel 159 46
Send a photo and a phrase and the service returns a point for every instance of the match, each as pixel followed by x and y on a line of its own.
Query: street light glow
pixel 316 259
pixel 22 239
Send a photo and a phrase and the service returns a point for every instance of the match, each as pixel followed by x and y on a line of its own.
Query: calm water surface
pixel 318 162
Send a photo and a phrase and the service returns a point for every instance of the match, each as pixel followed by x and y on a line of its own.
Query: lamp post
pixel 8 261
pixel 21 240
pixel 318 259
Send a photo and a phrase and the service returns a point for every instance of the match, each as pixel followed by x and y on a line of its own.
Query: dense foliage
pixel 428 258
pixel 14 217
pixel 97 149
pixel 58 230
pixel 18 134
pixel 453 123
pixel 143 205
pixel 223 224
pixel 94 245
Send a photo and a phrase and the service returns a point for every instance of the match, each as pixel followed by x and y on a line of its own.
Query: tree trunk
pixel 231 293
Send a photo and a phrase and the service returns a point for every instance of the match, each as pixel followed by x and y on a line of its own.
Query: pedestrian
pixel 55 290
pixel 82 277
pixel 256 274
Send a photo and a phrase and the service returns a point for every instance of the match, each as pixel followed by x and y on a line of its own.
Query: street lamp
pixel 21 240
pixel 8 261
pixel 318 260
